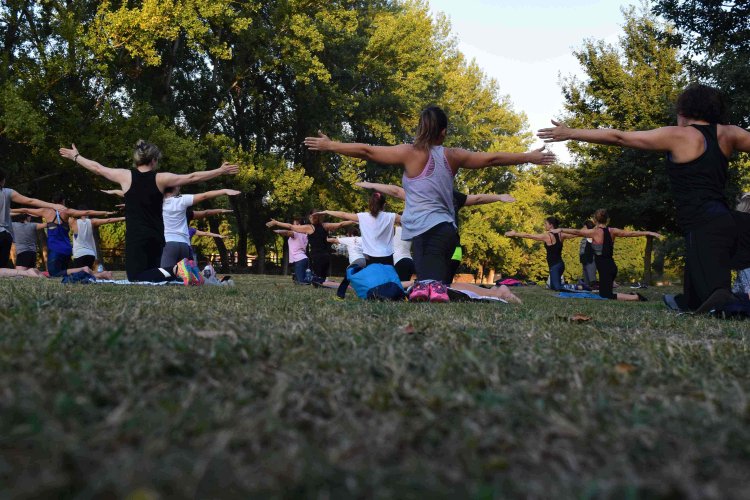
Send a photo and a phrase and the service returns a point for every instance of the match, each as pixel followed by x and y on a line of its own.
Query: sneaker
pixel 671 303
pixel 420 292
pixel 185 272
pixel 197 275
pixel 438 292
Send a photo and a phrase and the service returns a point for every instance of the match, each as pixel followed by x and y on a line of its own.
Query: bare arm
pixel 214 235
pixel 111 220
pixel 387 155
pixel 483 199
pixel 285 233
pixel 114 192
pixel 461 158
pixel 297 228
pixel 584 233
pixel 386 189
pixel 528 236
pixel 87 213
pixel 37 212
pixel 17 197
pixel 202 214
pixel 119 175
pixel 741 139
pixel 166 179
pixel 333 226
pixel 339 215
pixel 622 233
pixel 660 139
pixel 197 198
pixel 333 240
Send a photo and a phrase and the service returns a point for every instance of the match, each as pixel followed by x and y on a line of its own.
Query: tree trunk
pixel 647 260
pixel 480 273
pixel 241 232
pixel 491 276
pixel 284 259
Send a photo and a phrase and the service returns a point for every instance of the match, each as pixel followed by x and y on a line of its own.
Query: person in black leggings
pixel 603 242
pixel 317 237
pixel 553 245
pixel 717 239
pixel 143 189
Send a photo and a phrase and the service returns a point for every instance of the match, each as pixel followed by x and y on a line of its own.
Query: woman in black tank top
pixel 143 189
pixel 716 238
pixel 317 237
pixel 604 244
pixel 553 245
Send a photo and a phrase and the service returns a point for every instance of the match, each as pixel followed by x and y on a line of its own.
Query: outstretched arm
pixel 167 179
pixel 339 215
pixel 114 192
pixel 202 214
pixel 284 232
pixel 37 212
pixel 660 139
pixel 88 213
pixel 197 198
pixel 386 189
pixel 461 158
pixel 388 155
pixel 622 233
pixel 118 175
pixel 741 139
pixel 111 220
pixel 584 233
pixel 214 235
pixel 333 226
pixel 17 197
pixel 333 240
pixel 528 236
pixel 483 199
pixel 297 228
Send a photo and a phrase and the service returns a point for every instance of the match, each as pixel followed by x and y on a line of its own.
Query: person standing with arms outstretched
pixel 144 195
pixel 698 151
pixel 428 219
pixel 603 243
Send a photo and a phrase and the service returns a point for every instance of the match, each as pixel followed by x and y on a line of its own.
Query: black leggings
pixel 432 251
pixel 709 250
pixel 6 241
pixel 388 261
pixel 83 261
pixel 607 273
pixel 320 263
pixel 142 258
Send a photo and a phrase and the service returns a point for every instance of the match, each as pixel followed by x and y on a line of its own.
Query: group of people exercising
pixel 698 149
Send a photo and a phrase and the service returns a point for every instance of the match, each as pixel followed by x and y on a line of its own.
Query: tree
pixel 630 86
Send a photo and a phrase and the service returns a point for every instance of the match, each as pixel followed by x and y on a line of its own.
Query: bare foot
pixel 504 293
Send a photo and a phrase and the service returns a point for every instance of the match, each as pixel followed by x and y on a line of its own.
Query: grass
pixel 267 389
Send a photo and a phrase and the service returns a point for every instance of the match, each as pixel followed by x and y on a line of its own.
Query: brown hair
pixel 701 102
pixel 316 219
pixel 432 122
pixel 601 216
pixel 553 221
pixel 377 202
pixel 145 153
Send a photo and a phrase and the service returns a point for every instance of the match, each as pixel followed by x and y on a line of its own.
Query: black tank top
pixel 607 248
pixel 143 208
pixel 698 185
pixel 554 251
pixel 319 240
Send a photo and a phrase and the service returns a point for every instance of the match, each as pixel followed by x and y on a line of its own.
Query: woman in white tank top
pixel 376 227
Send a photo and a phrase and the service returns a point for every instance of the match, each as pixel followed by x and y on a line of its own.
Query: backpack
pixel 376 282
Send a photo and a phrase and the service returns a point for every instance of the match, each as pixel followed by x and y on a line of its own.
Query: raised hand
pixel 510 234
pixel 229 168
pixel 506 198
pixel 272 223
pixel 319 143
pixel 70 154
pixel 541 157
pixel 560 132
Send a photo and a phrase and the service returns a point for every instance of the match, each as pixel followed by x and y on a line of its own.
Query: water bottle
pixel 99 268
pixel 308 276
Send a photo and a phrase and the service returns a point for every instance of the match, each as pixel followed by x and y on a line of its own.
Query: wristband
pixel 75 158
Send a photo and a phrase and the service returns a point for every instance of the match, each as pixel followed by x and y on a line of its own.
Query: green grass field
pixel 267 389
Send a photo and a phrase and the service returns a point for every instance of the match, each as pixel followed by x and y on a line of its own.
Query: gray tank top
pixel 6 223
pixel 83 242
pixel 429 196
pixel 24 236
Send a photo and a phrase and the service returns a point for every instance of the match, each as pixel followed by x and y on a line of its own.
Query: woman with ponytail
pixel 428 220
pixel 376 227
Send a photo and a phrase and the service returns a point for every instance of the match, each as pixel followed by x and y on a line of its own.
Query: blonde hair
pixel 744 204
pixel 145 153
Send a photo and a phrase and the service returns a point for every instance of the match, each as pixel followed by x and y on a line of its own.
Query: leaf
pixel 409 329
pixel 624 368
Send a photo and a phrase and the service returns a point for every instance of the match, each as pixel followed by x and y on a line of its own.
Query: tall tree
pixel 630 86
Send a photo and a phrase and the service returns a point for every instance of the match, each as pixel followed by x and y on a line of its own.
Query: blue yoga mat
pixel 580 295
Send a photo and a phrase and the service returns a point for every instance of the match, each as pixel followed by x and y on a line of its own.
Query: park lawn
pixel 267 389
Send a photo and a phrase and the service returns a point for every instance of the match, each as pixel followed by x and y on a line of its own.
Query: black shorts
pixel 26 259
pixel 83 261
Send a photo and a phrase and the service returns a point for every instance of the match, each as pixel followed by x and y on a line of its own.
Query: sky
pixel 527 45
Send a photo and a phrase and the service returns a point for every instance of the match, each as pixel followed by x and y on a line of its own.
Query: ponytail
pixel 432 122
pixel 376 204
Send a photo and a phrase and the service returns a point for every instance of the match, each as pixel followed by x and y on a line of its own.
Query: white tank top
pixel 401 248
pixel 377 233
pixel 83 242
